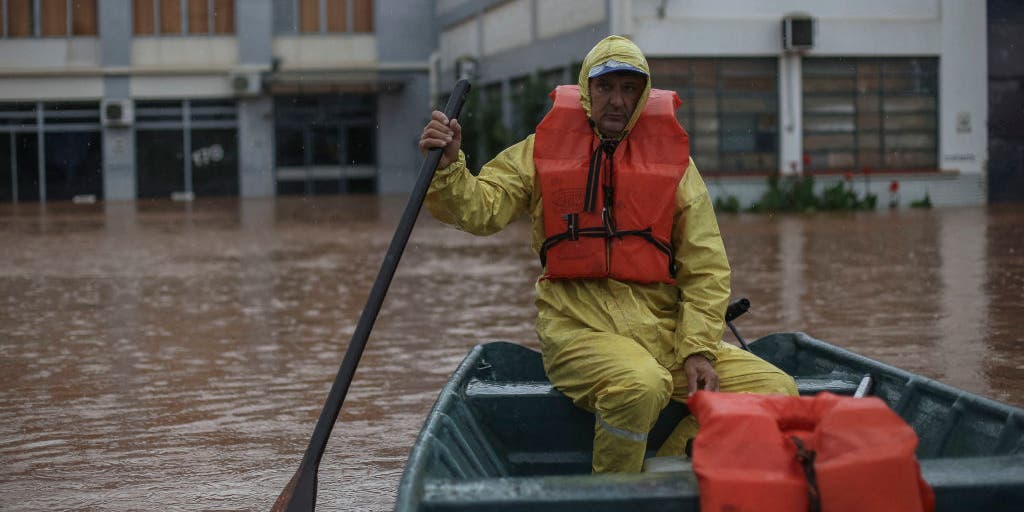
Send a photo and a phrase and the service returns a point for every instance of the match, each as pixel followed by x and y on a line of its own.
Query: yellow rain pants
pixel 616 348
pixel 626 388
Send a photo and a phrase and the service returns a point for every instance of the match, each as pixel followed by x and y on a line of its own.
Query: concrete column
pixel 402 116
pixel 791 147
pixel 119 176
pixel 963 87
pixel 256 147
pixel 405 40
pixel 255 32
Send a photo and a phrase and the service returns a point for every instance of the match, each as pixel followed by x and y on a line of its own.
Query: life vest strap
pixel 806 458
pixel 606 147
pixel 608 231
pixel 646 234
pixel 571 235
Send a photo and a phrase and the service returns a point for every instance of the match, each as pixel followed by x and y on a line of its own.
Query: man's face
pixel 613 97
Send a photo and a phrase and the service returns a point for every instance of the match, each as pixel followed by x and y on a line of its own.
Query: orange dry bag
pixel 789 453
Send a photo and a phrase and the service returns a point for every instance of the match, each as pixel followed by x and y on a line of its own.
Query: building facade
pixel 130 99
pixel 126 99
pixel 875 91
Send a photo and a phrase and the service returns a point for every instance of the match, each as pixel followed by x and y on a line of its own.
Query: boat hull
pixel 501 438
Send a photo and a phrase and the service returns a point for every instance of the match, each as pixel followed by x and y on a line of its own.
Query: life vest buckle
pixel 572 225
pixel 609 223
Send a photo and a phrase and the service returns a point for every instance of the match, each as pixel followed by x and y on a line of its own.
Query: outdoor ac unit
pixel 246 83
pixel 466 68
pixel 798 33
pixel 117 112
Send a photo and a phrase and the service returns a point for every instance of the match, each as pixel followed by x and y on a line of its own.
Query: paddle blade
pixel 300 493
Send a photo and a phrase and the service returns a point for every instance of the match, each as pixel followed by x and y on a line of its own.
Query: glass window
pixel 215 162
pixel 159 163
pixel 360 145
pixel 290 147
pixel 26 147
pixel 74 165
pixel 323 144
pixel 6 173
pixel 71 147
pixel 870 112
pixel 730 110
pixel 202 160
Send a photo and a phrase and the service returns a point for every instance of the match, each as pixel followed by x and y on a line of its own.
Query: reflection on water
pixel 175 356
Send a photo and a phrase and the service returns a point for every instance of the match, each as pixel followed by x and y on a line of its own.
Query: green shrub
pixel 728 204
pixel 796 194
pixel 924 202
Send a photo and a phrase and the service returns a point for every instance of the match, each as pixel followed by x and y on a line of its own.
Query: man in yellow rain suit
pixel 618 347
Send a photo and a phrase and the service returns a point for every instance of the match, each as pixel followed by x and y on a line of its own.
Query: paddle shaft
pixel 300 493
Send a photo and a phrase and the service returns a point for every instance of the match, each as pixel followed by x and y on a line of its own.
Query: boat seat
pixel 667 464
pixel 483 389
pixel 817 384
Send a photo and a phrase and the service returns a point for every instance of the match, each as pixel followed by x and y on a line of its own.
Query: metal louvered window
pixel 876 113
pixel 729 109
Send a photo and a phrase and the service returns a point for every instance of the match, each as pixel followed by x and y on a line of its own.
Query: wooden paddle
pixel 300 493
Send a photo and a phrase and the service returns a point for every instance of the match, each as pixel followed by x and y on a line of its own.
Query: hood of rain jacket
pixel 622 50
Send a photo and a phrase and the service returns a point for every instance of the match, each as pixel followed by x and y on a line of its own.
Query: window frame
pixel 345 116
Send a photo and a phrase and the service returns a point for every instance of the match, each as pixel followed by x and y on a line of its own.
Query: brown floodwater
pixel 175 356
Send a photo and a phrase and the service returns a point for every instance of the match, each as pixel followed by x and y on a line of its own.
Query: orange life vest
pixel 628 236
pixel 788 453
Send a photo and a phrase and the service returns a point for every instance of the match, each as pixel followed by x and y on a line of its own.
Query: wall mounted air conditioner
pixel 466 67
pixel 798 33
pixel 119 112
pixel 246 83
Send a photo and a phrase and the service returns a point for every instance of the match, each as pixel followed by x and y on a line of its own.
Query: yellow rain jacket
pixel 629 330
pixel 672 322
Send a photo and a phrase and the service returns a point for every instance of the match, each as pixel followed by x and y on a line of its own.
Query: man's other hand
pixel 700 374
